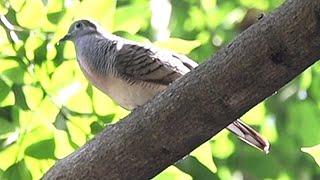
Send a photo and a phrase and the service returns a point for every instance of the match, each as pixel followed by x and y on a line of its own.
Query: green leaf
pixel 17 171
pixel 20 97
pixel 45 2
pixel 43 149
pixel 194 168
pixel 12 71
pixel 96 128
pixel 304 122
pixel 6 95
pixel 6 128
pixel 178 45
pixel 1 174
pixel 314 151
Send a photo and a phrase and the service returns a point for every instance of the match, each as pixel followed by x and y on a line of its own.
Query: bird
pixel 132 73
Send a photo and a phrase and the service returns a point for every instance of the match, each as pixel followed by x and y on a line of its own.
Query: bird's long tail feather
pixel 249 135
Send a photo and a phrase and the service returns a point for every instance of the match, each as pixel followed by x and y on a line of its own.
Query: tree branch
pixel 256 64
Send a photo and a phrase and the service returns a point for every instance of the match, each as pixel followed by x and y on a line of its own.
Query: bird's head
pixel 79 28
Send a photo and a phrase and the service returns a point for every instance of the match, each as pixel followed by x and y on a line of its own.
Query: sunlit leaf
pixel 69 51
pixel 4 40
pixel 178 45
pixel 196 21
pixel 78 135
pixel 139 14
pixel 103 11
pixel 80 102
pixel 306 79
pixel 8 156
pixel 102 104
pixel 256 4
pixel 62 144
pixel 3 10
pixel 51 52
pixel 54 5
pixel 38 166
pixel 24 117
pixel 314 151
pixel 222 147
pixel 224 172
pixel 16 4
pixel 269 131
pixel 42 76
pixel 82 124
pixel 32 43
pixel 172 173
pixel 256 115
pixel 34 9
pixel 204 155
pixel 33 95
pixel 46 111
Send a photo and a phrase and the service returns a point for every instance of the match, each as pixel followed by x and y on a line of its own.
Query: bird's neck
pixel 95 52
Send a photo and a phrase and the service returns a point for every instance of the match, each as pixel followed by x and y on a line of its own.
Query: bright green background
pixel 48 109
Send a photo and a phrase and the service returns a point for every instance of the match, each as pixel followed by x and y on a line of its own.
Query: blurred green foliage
pixel 48 109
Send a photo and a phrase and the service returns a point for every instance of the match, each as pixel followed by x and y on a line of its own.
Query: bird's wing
pixel 137 63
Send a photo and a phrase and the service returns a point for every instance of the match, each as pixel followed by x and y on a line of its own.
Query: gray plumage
pixel 132 73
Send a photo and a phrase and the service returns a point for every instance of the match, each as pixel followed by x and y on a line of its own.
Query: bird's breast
pixel 126 94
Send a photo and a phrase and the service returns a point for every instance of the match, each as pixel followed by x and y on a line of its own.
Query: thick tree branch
pixel 257 63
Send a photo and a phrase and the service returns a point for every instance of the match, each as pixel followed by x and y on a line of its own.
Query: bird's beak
pixel 65 38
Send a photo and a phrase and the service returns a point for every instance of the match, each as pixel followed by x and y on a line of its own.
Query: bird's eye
pixel 78 25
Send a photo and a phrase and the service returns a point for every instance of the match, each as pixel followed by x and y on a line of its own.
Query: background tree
pixel 48 110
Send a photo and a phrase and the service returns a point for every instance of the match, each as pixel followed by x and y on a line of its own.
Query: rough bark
pixel 256 64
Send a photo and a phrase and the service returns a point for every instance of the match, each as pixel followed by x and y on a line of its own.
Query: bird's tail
pixel 249 135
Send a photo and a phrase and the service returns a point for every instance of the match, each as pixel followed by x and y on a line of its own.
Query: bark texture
pixel 257 63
